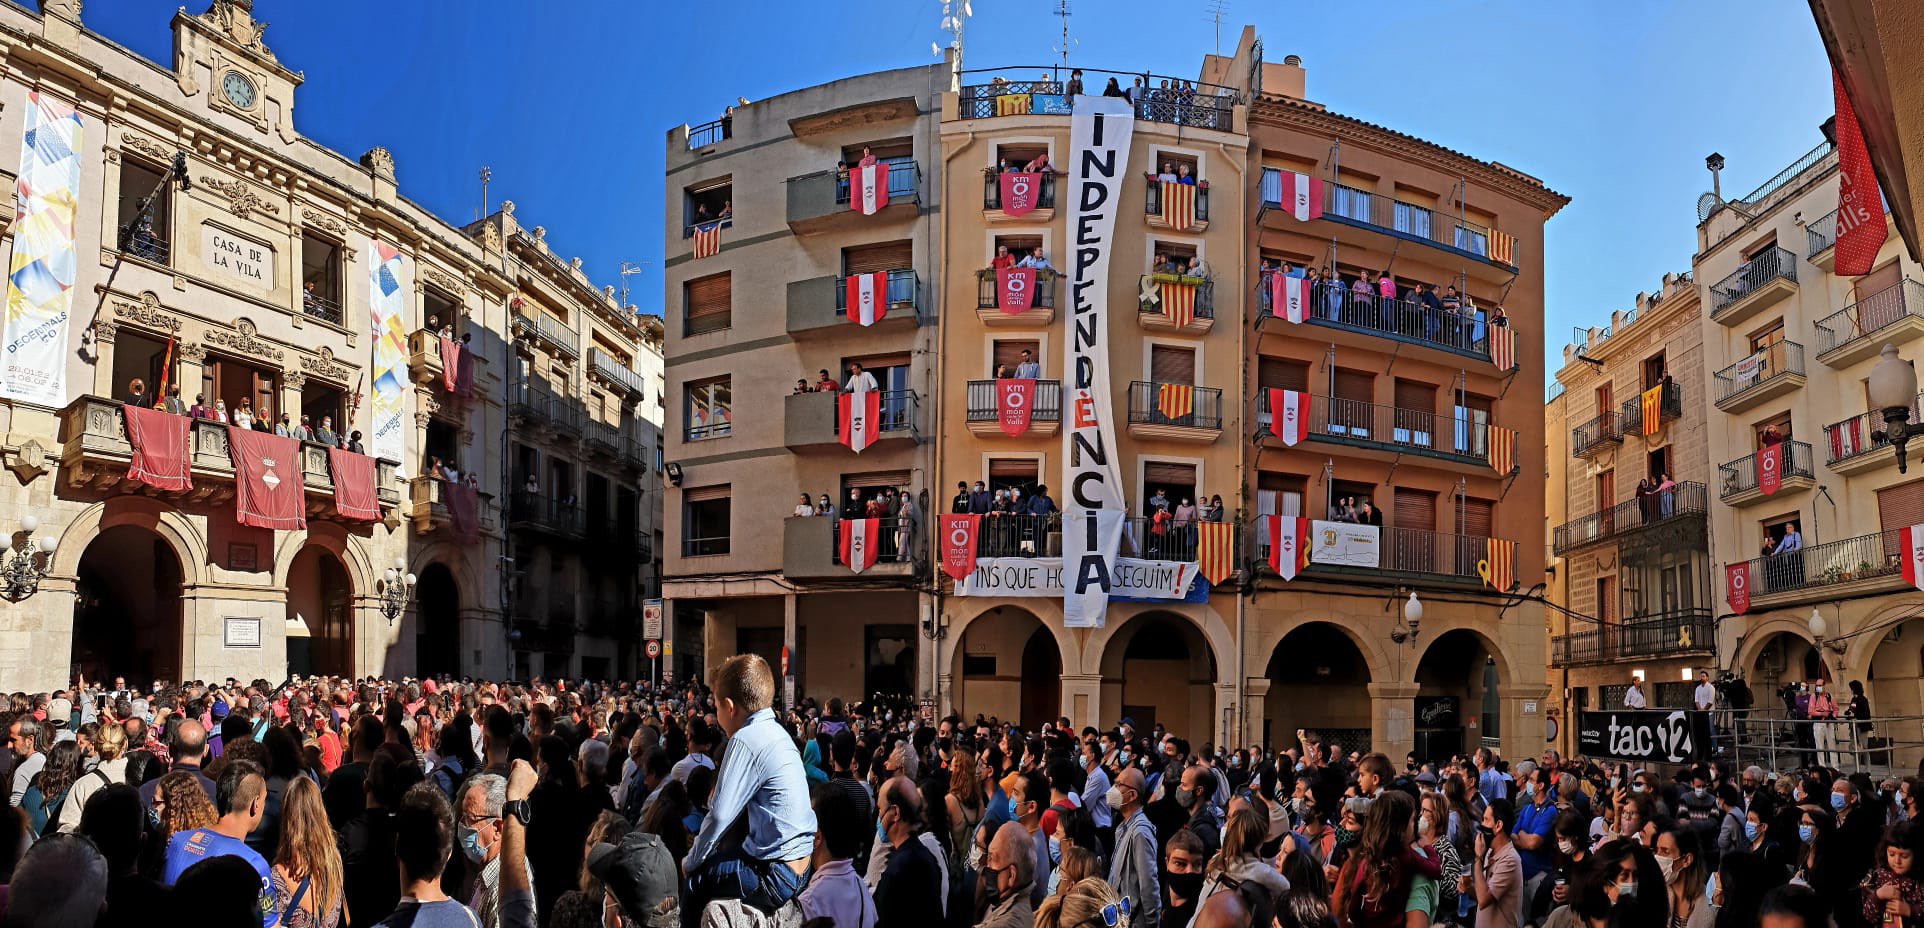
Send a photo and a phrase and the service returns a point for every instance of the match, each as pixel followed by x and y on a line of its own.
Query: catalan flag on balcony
pixel 1215 550
pixel 1013 104
pixel 707 241
pixel 1498 568
pixel 1846 439
pixel 1288 544
pixel 1503 347
pixel 1178 301
pixel 1651 403
pixel 1502 247
pixel 1502 450
pixel 1175 400
pixel 1178 205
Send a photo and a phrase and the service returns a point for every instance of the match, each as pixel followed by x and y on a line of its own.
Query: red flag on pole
pixel 958 544
pixel 1860 207
pixel 1015 404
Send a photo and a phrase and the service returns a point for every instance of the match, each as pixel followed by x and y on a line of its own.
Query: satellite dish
pixel 967 10
pixel 1706 205
pixel 935 49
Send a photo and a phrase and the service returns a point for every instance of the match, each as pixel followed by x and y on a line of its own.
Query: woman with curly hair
pixel 182 805
pixel 307 864
pixel 1077 864
pixel 1373 887
pixel 1083 905
pixel 964 803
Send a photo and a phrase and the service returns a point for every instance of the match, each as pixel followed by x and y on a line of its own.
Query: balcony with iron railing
pixel 985 409
pixel 1831 571
pixel 1892 316
pixel 1356 318
pixel 811 549
pixel 1819 238
pixel 818 306
pixel 548 330
pixel 1388 432
pixel 1023 535
pixel 324 308
pixel 710 133
pixel 1862 443
pixel 601 440
pixel 1399 220
pixel 988 94
pixel 1669 407
pixel 1040 311
pixel 539 407
pixel 811 421
pixel 1152 207
pixel 1045 199
pixel 1681 633
pixel 1771 372
pixel 1762 281
pixel 1161 312
pixel 1592 437
pixel 147 246
pixel 611 369
pixel 540 513
pixel 1175 412
pixel 1405 555
pixel 1688 501
pixel 1743 479
pixel 820 201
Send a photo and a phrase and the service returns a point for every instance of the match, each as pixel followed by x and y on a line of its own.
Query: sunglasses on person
pixel 1116 913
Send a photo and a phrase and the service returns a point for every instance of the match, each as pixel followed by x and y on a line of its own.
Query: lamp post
pixel 1819 629
pixel 1893 391
pixel 20 573
pixel 1412 620
pixel 395 588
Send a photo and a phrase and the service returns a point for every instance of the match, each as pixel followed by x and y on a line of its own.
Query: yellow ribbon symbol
pixel 1483 570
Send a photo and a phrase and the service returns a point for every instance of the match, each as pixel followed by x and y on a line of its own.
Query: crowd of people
pixel 244 416
pixel 1375 300
pixel 328 802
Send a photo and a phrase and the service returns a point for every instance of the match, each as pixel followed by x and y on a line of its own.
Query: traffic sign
pixel 654 649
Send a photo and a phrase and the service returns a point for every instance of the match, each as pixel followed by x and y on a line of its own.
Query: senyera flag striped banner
pixel 1215 550
pixel 1178 205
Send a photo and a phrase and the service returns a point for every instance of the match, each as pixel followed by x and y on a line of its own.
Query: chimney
pixel 1716 165
pixel 1287 79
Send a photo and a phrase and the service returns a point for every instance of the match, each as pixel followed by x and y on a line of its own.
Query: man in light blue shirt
pixel 761 784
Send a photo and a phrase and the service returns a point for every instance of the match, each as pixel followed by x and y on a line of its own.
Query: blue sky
pixel 1614 104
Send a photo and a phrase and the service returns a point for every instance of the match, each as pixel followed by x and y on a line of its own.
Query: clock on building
pixel 239 90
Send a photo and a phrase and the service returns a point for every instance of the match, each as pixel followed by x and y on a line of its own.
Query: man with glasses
pixel 23 740
pixel 478 835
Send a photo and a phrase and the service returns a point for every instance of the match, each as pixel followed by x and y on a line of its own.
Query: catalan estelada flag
pixel 1502 454
pixel 707 241
pixel 1215 550
pixel 1013 104
pixel 1178 205
pixel 1175 400
pixel 1502 247
pixel 1503 347
pixel 1498 568
pixel 1178 302
pixel 1652 406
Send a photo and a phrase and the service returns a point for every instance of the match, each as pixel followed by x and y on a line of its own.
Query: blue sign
pixel 1049 104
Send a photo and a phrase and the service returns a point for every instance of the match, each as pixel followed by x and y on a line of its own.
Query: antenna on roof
pixel 487 174
pixel 1216 9
pixel 955 15
pixel 627 268
pixel 1062 11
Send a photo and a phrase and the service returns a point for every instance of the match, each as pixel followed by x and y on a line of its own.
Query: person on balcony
pixel 282 428
pixel 1645 507
pixel 1075 82
pixel 244 416
pixel 1002 259
pixel 859 380
pixel 136 393
pixel 1112 89
pixel 1369 515
pixel 960 504
pixel 804 508
pixel 305 431
pixel 826 384
pixel 1195 268
pixel 354 442
pixel 325 434
pixel 200 409
pixel 980 502
pixel 1666 497
pixel 825 507
pixel 1027 368
pixel 868 158
pixel 1771 436
pixel 801 386
pixel 1185 518
pixel 1633 697
pixel 904 528
pixel 1035 259
pixel 1362 299
pixel 173 404
pixel 1039 503
pixel 1332 290
pixel 1168 175
pixel 1184 177
pixel 1040 163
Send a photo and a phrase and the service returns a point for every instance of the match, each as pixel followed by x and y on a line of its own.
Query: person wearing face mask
pixel 1571 833
pixel 911 891
pixel 1621 885
pixel 478 837
pixel 1697 808
pixel 1814 863
pixel 1730 819
pixel 1132 870
pixel 1680 859
pixel 1192 793
pixel 1821 709
pixel 1031 797
pixel 1183 863
pixel 1496 875
pixel 1010 875
pixel 1533 837
pixel 980 502
pixel 1860 827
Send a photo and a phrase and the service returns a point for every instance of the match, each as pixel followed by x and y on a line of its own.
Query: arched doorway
pixel 1895 688
pixel 127 617
pixel 1318 681
pixel 320 612
pixel 1158 668
pixel 1785 657
pixel 1007 666
pixel 1457 698
pixel 437 622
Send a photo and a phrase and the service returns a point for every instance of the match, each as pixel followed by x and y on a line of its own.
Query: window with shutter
pixel 1014 468
pixel 1414 509
pixel 1280 374
pixel 1162 473
pixel 709 304
pixel 1280 494
pixel 1358 386
pixel 705 520
pixel 1477 518
pixel 1414 396
pixel 880 257
pixel 1900 506
pixel 1171 364
pixel 1008 353
pixel 881 480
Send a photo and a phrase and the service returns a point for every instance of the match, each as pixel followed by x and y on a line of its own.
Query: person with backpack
pixel 449 771
pixel 47 793
pixel 111 744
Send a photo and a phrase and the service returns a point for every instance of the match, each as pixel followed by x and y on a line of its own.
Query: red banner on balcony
pixel 1015 405
pixel 1288 296
pixel 707 240
pixel 1175 400
pixel 1215 550
pixel 1502 247
pixel 1860 207
pixel 1288 415
pixel 1912 557
pixel 464 510
pixel 1498 568
pixel 1502 454
pixel 1770 468
pixel 1302 196
pixel 353 485
pixel 1737 586
pixel 868 188
pixel 267 480
pixel 159 441
pixel 450 363
pixel 1846 439
pixel 1503 347
pixel 860 543
pixel 958 544
pixel 1015 289
pixel 1178 205
pixel 1178 301
pixel 1288 545
pixel 867 299
pixel 1021 192
pixel 859 418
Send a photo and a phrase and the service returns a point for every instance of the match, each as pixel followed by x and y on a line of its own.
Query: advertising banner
pixel 391 284
pixel 41 275
pixel 1670 736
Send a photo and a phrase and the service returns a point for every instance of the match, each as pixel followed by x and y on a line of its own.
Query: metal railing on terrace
pixel 1415 222
pixel 550 330
pixel 1206 410
pixel 319 307
pixel 1333 304
pixel 1871 315
pixel 1355 422
pixel 903 287
pixel 983 405
pixel 709 133
pixel 1780 359
pixel 905 178
pixel 1741 476
pixel 1607 427
pixel 1152 199
pixel 1412 552
pixel 1044 90
pixel 1686 500
pixel 1866 557
pixel 1761 269
pixel 1686 631
pixel 1669 406
pixel 1864 433
pixel 1204 305
pixel 1819 236
pixel 618 372
pixel 1788 174
pixel 992 190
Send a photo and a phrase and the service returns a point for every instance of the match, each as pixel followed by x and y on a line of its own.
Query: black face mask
pixel 1186 886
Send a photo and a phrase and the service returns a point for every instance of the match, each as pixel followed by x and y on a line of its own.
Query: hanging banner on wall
pixel 1021 190
pixel 958 544
pixel 1770 469
pixel 1860 205
pixel 1737 586
pixel 1093 506
pixel 1130 578
pixel 1014 404
pixel 41 275
pixel 390 283
pixel 1649 735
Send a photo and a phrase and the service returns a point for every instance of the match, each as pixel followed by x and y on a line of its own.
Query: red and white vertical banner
pixel 1288 415
pixel 867 299
pixel 1014 405
pixel 1846 439
pixel 1015 289
pixel 1911 555
pixel 958 544
pixel 868 188
pixel 1288 296
pixel 1770 468
pixel 1021 191
pixel 860 416
pixel 1737 586
pixel 1860 207
pixel 1503 347
pixel 1288 545
pixel 1302 196
pixel 860 541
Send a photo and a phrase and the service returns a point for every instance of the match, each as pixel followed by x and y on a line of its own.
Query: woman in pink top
pixel 1385 287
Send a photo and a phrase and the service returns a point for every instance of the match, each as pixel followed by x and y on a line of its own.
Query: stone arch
pixel 1377 656
pixel 1130 666
pixel 1861 650
pixel 334 538
pixel 1215 633
pixel 1015 636
pixel 164 520
pixel 1320 683
pixel 1065 644
pixel 1431 633
pixel 1758 636
pixel 456 560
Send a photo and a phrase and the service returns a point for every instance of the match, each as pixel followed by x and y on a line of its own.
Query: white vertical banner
pixel 1093 506
pixel 390 293
pixel 40 287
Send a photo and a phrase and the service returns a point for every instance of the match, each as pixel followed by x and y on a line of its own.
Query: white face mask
pixel 1668 866
pixel 1423 824
pixel 1568 847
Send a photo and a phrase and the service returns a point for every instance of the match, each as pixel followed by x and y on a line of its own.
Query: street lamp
pixel 1412 618
pixel 1893 390
pixel 394 589
pixel 21 573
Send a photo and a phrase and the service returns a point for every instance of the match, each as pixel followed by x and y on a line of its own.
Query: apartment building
pixel 1630 564
pixel 1791 347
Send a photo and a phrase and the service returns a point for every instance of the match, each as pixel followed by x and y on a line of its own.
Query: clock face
pixel 239 90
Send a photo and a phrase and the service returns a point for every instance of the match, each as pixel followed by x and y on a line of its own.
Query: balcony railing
pixel 1740 476
pixel 1686 500
pixel 889 546
pixel 1332 304
pixel 1152 200
pixel 704 546
pixel 1752 276
pixel 1205 106
pixel 1669 406
pixel 538 326
pixel 1408 221
pixel 1769 365
pixel 322 308
pixel 986 296
pixel 1851 560
pixel 559 413
pixel 1863 434
pixel 1388 428
pixel 602 439
pixel 1819 236
pixel 1205 304
pixel 1688 631
pixel 1872 316
pixel 904 289
pixel 898 412
pixel 1047 408
pixel 1413 553
pixel 545 513
pixel 617 372
pixel 904 180
pixel 992 191
pixel 1207 411
pixel 148 247
pixel 709 133
pixel 1591 436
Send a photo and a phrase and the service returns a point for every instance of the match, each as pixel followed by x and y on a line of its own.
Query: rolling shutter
pixel 704 494
pixel 1160 473
pixel 1419 397
pixel 887 478
pixel 1356 385
pixel 1478 518
pixel 709 301
pixel 1169 364
pixel 1015 468
pixel 1276 373
pixel 1414 509
pixel 1009 353
pixel 1901 506
pixel 885 256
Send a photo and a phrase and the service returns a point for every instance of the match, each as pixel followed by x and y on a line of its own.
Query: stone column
pixel 1255 693
pixel 718 640
pixel 1393 717
pixel 1523 712
pixel 105 332
pixel 292 382
pixel 790 604
pixel 1228 721
pixel 1082 698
